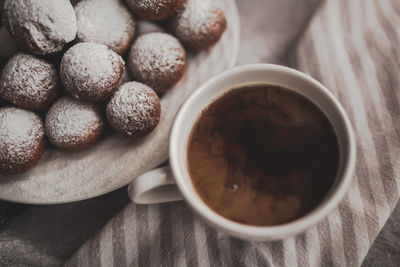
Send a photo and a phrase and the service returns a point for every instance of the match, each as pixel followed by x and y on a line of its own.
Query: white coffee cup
pixel 174 183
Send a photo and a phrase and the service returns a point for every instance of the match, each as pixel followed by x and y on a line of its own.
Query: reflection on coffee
pixel 262 155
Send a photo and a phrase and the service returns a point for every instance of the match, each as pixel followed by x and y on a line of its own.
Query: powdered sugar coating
pixel 21 140
pixel 106 22
pixel 134 109
pixel 41 27
pixel 29 82
pixel 91 72
pixel 73 125
pixel 158 60
pixel 154 9
pixel 198 24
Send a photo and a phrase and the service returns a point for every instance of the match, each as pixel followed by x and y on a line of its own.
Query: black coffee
pixel 262 155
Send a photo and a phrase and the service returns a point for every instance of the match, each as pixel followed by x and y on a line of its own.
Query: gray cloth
pixel 386 251
pixel 353 47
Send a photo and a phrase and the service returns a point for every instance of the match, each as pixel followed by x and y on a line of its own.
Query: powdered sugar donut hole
pixel 40 27
pixel 21 140
pixel 158 60
pixel 91 71
pixel 198 24
pixel 134 109
pixel 73 125
pixel 154 9
pixel 106 22
pixel 29 82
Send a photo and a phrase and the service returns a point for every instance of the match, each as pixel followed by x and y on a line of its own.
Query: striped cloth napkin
pixel 353 47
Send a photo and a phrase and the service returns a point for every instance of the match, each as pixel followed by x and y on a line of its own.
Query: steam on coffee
pixel 262 155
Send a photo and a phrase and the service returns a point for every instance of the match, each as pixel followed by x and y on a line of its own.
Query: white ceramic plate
pixel 62 177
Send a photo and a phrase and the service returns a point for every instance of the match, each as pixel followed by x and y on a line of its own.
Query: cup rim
pixel 275 231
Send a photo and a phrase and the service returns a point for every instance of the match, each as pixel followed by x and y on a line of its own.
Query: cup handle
pixel 155 186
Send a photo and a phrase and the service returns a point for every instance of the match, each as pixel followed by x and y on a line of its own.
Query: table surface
pixel 52 233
